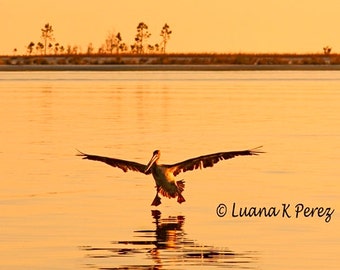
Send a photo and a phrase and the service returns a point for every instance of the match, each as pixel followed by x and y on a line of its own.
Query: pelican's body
pixel 165 182
pixel 164 175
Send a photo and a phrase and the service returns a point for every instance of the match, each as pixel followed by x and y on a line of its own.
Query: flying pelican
pixel 164 175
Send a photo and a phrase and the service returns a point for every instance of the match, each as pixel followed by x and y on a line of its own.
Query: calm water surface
pixel 61 212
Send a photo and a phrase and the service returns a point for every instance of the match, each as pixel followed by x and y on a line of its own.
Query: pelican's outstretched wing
pixel 209 160
pixel 124 165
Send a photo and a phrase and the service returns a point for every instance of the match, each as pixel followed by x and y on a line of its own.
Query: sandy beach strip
pixel 164 67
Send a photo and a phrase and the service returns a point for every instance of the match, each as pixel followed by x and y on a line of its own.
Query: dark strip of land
pixel 164 67
pixel 175 62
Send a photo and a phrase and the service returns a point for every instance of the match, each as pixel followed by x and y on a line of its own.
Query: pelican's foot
pixel 156 201
pixel 180 198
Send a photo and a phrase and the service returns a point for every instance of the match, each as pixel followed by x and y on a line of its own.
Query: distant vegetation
pixel 115 51
pixel 113 44
pixel 172 59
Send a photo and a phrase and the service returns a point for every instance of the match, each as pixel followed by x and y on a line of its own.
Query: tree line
pixel 113 44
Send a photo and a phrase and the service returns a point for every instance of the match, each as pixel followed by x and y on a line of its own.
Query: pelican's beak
pixel 151 162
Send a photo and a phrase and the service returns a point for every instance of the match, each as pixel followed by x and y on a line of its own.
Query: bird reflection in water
pixel 165 247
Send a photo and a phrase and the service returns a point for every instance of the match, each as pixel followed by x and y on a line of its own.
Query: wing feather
pixel 209 160
pixel 124 165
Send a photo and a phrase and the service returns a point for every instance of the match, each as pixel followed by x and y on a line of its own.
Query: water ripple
pixel 165 247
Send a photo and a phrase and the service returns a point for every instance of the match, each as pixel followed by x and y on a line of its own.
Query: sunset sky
pixel 223 26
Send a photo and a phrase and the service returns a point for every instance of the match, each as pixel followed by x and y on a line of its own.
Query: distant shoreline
pixel 170 62
pixel 167 67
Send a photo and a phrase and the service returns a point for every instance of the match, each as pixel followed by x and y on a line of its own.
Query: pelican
pixel 164 175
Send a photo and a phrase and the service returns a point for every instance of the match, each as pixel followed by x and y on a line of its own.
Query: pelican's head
pixel 155 157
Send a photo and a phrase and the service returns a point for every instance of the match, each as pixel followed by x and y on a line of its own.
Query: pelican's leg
pixel 180 198
pixel 180 187
pixel 157 199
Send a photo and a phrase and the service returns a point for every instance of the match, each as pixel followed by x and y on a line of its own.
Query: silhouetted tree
pixel 141 37
pixel 50 47
pixel 69 49
pixel 133 48
pixel 30 47
pixel 327 50
pixel 75 49
pixel 151 48
pixel 165 34
pixel 56 48
pixel 123 47
pixel 109 42
pixel 101 49
pixel 112 42
pixel 118 41
pixel 47 35
pixel 40 47
pixel 90 48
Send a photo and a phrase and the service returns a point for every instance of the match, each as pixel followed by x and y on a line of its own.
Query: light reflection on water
pixel 166 246
pixel 52 202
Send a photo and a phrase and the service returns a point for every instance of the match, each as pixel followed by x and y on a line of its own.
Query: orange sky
pixel 198 26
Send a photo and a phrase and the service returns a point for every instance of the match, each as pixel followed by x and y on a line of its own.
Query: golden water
pixel 58 211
